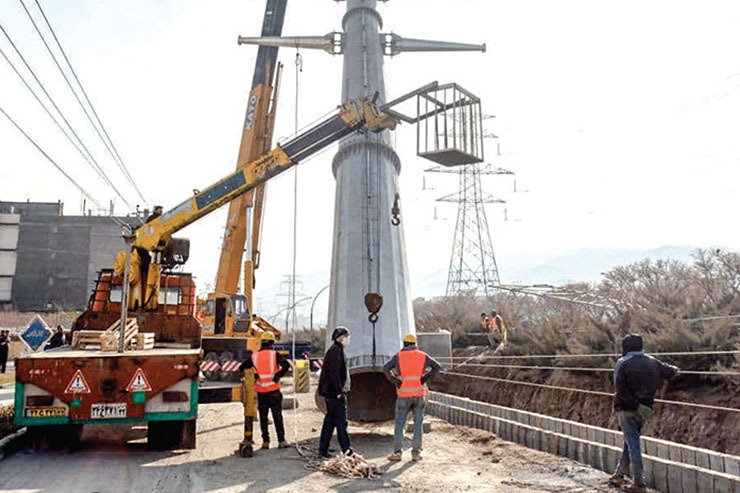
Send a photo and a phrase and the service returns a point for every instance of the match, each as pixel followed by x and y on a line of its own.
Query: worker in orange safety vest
pixel 409 370
pixel 269 367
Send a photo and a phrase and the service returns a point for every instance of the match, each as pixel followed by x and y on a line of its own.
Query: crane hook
pixel 395 211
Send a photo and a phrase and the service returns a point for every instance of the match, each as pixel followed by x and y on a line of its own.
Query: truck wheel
pixel 169 435
pixel 163 435
pixel 188 434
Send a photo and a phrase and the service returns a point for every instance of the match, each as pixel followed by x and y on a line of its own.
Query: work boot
pixel 283 444
pixel 637 488
pixel 416 456
pixel 265 446
pixel 395 457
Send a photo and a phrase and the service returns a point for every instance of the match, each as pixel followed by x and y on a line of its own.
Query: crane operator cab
pixel 221 312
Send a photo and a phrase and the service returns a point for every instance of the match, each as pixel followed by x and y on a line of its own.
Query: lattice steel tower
pixel 473 267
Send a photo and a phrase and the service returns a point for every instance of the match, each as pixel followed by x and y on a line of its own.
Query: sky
pixel 620 119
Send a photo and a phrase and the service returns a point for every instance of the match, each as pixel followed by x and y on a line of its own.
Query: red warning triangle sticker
pixel 78 384
pixel 139 382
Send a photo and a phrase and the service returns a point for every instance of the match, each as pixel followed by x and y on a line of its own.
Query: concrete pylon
pixel 369 255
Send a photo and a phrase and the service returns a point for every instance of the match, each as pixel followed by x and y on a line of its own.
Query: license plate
pixel 108 411
pixel 45 412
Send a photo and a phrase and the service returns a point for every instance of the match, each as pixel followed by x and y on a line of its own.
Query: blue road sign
pixel 36 334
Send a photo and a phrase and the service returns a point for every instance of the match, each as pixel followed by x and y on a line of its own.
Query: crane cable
pixel 91 159
pixel 298 70
pixel 107 143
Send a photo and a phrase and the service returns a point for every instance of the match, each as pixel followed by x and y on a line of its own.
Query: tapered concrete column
pixel 369 254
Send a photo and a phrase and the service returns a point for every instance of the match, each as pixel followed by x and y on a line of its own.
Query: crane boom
pixel 354 115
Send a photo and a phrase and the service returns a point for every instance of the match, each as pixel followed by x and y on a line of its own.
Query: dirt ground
pixel 455 459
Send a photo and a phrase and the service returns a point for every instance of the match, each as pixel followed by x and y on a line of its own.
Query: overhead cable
pixel 592 392
pixel 60 169
pixel 594 355
pixel 107 141
pixel 586 369
pixel 89 157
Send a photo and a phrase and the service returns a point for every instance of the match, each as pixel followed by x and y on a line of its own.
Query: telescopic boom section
pixel 359 114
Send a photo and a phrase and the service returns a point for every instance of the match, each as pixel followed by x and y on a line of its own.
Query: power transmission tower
pixel 473 267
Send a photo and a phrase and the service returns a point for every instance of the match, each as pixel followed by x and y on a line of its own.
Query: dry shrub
pixel 659 299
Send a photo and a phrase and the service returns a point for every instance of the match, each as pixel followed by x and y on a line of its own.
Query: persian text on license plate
pixel 45 412
pixel 108 411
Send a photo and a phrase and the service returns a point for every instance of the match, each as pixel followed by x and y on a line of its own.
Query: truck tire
pixel 170 435
pixel 189 434
pixel 55 437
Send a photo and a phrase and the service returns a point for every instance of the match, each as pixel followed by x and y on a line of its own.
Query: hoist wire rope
pixel 591 392
pixel 58 166
pixel 107 141
pixel 89 158
pixel 298 70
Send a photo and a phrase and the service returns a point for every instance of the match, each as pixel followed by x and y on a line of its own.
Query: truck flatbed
pixel 69 352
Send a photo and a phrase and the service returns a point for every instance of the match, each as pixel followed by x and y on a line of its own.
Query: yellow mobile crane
pixel 229 323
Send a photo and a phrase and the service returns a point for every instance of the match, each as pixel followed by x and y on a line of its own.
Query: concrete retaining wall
pixel 669 466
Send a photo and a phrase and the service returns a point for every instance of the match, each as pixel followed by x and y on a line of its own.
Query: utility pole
pixel 368 249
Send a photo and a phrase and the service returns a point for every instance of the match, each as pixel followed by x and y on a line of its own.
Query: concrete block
pixel 572 449
pixel 704 481
pixel 612 458
pixel 288 403
pixel 552 443
pixel 581 452
pixel 660 476
pixel 591 434
pixel 647 472
pixel 688 480
pixel 664 451
pixel 716 463
pixel 702 459
pixel 732 465
pixel 674 478
pixel 722 484
pixel 688 456
pixel 674 453
pixel 599 436
pixel 650 448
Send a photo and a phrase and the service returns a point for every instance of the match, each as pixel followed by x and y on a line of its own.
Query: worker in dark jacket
pixel 409 370
pixel 334 384
pixel 57 340
pixel 269 367
pixel 637 377
pixel 4 348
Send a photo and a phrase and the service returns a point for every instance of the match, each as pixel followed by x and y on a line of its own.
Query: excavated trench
pixel 712 429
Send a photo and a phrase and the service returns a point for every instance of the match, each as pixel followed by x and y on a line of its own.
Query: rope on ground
pixel 352 466
pixel 586 368
pixel 600 355
pixel 593 392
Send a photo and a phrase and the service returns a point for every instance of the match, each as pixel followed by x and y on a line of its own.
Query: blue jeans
pixel 404 405
pixel 631 425
pixel 336 417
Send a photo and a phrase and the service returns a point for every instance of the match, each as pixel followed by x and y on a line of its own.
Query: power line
pixel 58 167
pixel 593 392
pixel 111 148
pixel 94 164
pixel 595 355
pixel 585 368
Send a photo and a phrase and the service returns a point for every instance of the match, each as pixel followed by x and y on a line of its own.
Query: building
pixel 49 261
